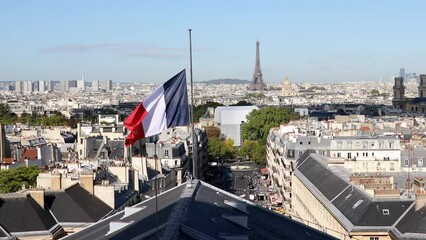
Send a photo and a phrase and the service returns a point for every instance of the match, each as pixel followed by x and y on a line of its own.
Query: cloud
pixel 123 50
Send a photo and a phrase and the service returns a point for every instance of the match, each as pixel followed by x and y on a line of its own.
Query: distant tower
pixel 399 100
pixel 95 85
pixel 286 88
pixel 402 73
pixel 422 86
pixel 257 81
pixel 19 86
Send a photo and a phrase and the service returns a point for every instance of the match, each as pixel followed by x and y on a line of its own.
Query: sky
pixel 148 41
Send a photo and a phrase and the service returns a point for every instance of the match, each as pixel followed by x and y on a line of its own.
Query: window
pixel 338 154
pixel 374 238
pixel 385 211
pixel 349 155
pixel 166 153
pixel 406 162
pixel 420 162
pixel 392 166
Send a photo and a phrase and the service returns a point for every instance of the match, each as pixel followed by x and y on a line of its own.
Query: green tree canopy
pixel 254 151
pixel 260 121
pixel 221 149
pixel 11 180
pixel 201 109
pixel 6 116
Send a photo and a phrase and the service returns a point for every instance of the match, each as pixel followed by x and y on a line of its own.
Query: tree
pixel 221 149
pixel 260 121
pixel 6 116
pixel 200 110
pixel 254 151
pixel 11 180
pixel 375 92
pixel 212 132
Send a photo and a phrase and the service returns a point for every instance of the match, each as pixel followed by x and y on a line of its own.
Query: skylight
pixel 385 211
pixel 357 204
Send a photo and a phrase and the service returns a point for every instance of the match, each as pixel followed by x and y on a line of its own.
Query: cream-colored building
pixel 342 209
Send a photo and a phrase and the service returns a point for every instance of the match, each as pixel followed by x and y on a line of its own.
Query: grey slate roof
pixel 207 210
pixel 75 204
pixel 24 214
pixel 116 149
pixel 143 221
pixel 200 212
pixel 412 224
pixel 346 200
pixel 93 146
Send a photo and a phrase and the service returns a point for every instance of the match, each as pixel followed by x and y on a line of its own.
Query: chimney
pixel 86 181
pixel 420 193
pixel 419 184
pixel 38 195
pixel 39 156
pixel 56 181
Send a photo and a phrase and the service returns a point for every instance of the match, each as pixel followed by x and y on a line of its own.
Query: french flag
pixel 166 107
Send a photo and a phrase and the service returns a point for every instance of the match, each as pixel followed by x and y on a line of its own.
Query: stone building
pixel 417 104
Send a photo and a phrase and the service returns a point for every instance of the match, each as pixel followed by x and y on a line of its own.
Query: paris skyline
pixel 138 41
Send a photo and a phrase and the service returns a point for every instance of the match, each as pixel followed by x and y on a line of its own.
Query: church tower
pixel 257 81
pixel 286 88
pixel 422 86
pixel 399 100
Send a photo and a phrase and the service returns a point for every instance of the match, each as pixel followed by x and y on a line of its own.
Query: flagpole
pixel 194 163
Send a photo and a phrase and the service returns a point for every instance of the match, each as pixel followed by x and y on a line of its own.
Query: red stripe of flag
pixel 134 124
pixel 135 118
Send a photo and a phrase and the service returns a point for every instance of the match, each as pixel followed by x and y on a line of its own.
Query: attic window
pixel 385 211
pixel 357 204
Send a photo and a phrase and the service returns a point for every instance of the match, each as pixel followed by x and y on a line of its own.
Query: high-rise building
pixel 257 81
pixel 28 87
pixel 109 85
pixel 41 86
pixel 81 85
pixel 64 86
pixel 106 85
pixel 49 86
pixel 95 85
pixel 19 86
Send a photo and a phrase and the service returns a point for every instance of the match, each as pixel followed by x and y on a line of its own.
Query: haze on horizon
pixel 146 41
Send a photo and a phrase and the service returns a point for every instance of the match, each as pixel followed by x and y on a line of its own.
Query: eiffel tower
pixel 257 81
